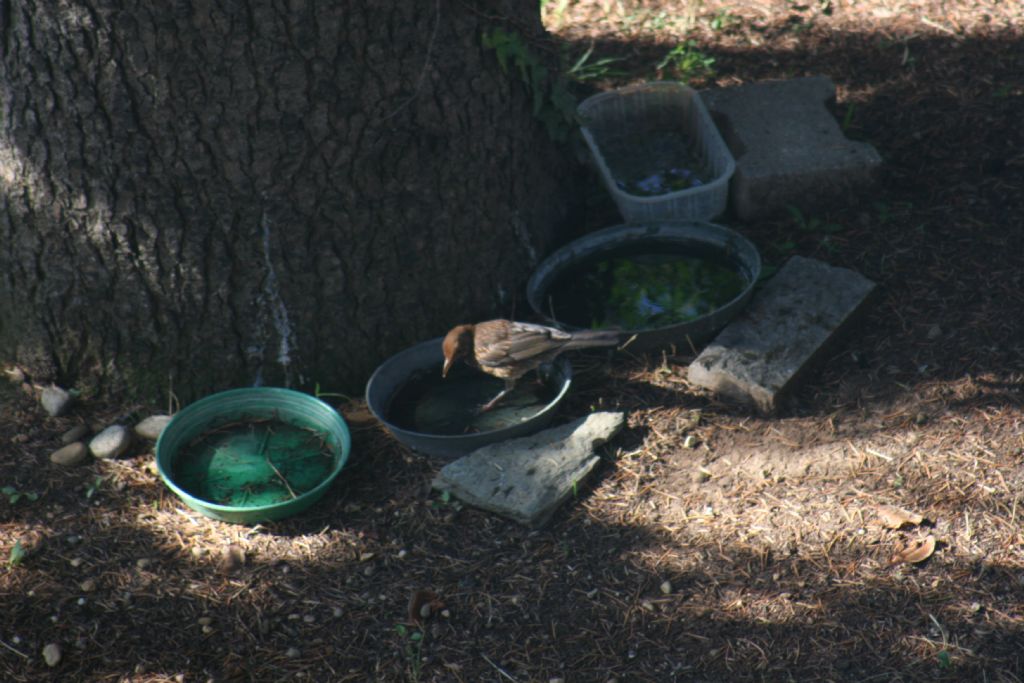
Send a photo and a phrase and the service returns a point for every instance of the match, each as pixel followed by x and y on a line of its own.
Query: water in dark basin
pixel 644 287
pixel 431 404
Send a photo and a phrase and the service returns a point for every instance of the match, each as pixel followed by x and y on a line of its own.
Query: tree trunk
pixel 197 195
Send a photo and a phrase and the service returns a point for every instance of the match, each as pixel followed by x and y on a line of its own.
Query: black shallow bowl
pixel 693 235
pixel 388 379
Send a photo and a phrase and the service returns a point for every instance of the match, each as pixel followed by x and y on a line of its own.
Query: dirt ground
pixel 758 553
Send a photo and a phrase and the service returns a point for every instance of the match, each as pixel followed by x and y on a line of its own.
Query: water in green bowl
pixel 252 463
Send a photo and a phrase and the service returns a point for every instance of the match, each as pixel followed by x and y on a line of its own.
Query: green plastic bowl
pixel 253 455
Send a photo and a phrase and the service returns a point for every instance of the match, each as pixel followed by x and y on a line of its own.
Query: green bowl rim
pixel 318 490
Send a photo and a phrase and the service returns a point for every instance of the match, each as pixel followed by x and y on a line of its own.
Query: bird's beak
pixel 447 367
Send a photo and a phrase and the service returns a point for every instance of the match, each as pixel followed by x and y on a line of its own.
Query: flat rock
pixel 151 427
pixel 528 478
pixel 70 455
pixel 789 148
pixel 55 401
pixel 111 442
pixel 761 354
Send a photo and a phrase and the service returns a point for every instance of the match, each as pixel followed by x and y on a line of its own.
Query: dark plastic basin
pixel 691 235
pixel 392 375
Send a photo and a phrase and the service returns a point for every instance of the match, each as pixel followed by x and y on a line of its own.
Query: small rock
pixel 337 612
pixel 292 652
pixel 152 426
pixel 143 562
pixel 76 562
pixel 51 654
pixel 402 554
pixel 934 332
pixel 88 586
pixel 666 587
pixel 690 441
pixel 204 621
pixel 556 680
pixel 76 433
pixel 15 375
pixel 70 455
pixel 111 442
pixel 309 618
pixel 55 401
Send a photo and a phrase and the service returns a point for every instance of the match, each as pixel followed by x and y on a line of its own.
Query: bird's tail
pixel 591 338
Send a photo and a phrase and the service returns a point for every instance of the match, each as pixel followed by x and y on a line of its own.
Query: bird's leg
pixel 510 384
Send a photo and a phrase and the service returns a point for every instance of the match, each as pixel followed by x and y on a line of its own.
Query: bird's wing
pixel 521 342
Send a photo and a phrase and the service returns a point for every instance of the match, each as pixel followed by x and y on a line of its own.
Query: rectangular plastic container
pixel 660 111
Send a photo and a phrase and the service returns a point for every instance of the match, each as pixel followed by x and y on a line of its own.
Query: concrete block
pixel 761 354
pixel 788 146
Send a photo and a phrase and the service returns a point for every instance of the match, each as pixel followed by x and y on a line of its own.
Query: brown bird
pixel 508 350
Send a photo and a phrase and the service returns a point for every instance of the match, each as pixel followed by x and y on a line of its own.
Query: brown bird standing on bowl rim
pixel 508 349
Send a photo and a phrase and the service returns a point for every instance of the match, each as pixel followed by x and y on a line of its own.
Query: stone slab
pixel 760 356
pixel 789 148
pixel 528 478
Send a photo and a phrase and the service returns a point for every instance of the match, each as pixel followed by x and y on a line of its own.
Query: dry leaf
pixel 916 551
pixel 894 517
pixel 357 413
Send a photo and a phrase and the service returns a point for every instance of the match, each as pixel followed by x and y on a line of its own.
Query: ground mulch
pixel 713 544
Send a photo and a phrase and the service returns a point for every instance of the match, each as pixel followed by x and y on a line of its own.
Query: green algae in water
pixel 253 463
pixel 644 288
pixel 447 406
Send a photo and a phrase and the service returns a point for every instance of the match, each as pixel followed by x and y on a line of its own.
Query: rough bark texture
pixel 208 194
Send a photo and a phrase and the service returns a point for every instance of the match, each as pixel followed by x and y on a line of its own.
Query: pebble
pixel 204 621
pixel 337 612
pixel 111 442
pixel 51 654
pixel 143 562
pixel 292 652
pixel 666 587
pixel 55 401
pixel 88 586
pixel 690 441
pixel 76 433
pixel 15 375
pixel 151 427
pixel 70 455
pixel 76 562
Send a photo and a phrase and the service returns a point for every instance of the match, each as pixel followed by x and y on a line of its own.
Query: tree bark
pixel 205 194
